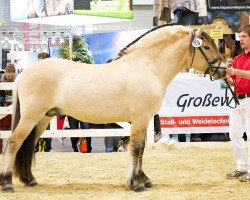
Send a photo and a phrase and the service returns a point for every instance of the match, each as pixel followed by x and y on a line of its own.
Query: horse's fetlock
pixel 7 176
pixel 6 182
pixel 28 181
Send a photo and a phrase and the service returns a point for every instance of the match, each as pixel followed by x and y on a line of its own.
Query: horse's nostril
pixel 219 74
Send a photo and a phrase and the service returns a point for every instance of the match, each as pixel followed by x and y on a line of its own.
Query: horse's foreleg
pixel 136 178
pixel 143 178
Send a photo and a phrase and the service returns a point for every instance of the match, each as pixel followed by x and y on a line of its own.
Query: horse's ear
pixel 199 31
pixel 197 42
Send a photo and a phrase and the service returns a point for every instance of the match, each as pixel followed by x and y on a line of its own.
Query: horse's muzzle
pixel 219 74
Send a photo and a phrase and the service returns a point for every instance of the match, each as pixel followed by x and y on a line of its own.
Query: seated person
pixel 6 98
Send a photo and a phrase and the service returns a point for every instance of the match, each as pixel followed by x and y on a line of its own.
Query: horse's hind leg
pixel 136 178
pixel 27 178
pixel 15 141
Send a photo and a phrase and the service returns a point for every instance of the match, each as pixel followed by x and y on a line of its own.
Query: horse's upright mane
pixel 139 43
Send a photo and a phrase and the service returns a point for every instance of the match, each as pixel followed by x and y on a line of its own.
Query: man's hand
pixel 241 73
pixel 230 71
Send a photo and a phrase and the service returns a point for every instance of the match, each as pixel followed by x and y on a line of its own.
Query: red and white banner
pixel 194 104
pixel 31 36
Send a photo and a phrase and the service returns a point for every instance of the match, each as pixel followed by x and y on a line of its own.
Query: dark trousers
pixel 111 143
pixel 74 124
pixel 48 141
pixel 6 123
pixel 48 144
pixel 157 125
pixel 1 145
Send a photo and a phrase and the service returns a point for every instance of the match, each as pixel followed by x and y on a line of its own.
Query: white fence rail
pixel 54 133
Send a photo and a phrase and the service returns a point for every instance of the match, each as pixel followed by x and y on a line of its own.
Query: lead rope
pixel 236 100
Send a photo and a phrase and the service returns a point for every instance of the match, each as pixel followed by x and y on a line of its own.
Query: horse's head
pixel 206 56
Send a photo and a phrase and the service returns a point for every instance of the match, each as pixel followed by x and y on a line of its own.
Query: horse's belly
pixel 98 116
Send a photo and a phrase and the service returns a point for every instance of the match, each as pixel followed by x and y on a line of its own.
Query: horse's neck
pixel 170 60
pixel 163 55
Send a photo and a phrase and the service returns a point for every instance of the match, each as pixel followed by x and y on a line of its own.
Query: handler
pixel 239 76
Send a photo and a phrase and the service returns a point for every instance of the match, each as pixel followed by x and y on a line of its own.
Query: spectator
pixel 43 55
pixel 1 104
pixel 8 76
pixel 2 92
pixel 229 62
pixel 111 143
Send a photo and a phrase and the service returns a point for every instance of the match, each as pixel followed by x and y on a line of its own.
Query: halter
pixel 210 63
pixel 214 69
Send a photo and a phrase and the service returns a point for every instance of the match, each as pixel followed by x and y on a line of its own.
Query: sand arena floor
pixel 185 171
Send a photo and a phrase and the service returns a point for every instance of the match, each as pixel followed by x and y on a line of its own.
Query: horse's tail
pixel 25 154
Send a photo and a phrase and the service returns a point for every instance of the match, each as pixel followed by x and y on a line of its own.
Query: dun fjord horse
pixel 129 89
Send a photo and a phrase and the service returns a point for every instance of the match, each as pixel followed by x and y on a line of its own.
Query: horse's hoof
pixel 148 185
pixel 32 183
pixel 139 189
pixel 8 190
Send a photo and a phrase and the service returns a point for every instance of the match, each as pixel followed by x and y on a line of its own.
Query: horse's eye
pixel 206 47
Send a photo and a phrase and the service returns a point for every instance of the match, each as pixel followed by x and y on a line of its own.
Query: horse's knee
pixel 6 182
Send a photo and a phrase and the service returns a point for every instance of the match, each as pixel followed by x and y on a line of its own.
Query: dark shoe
pixel 122 145
pixel 245 178
pixel 235 174
pixel 157 136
